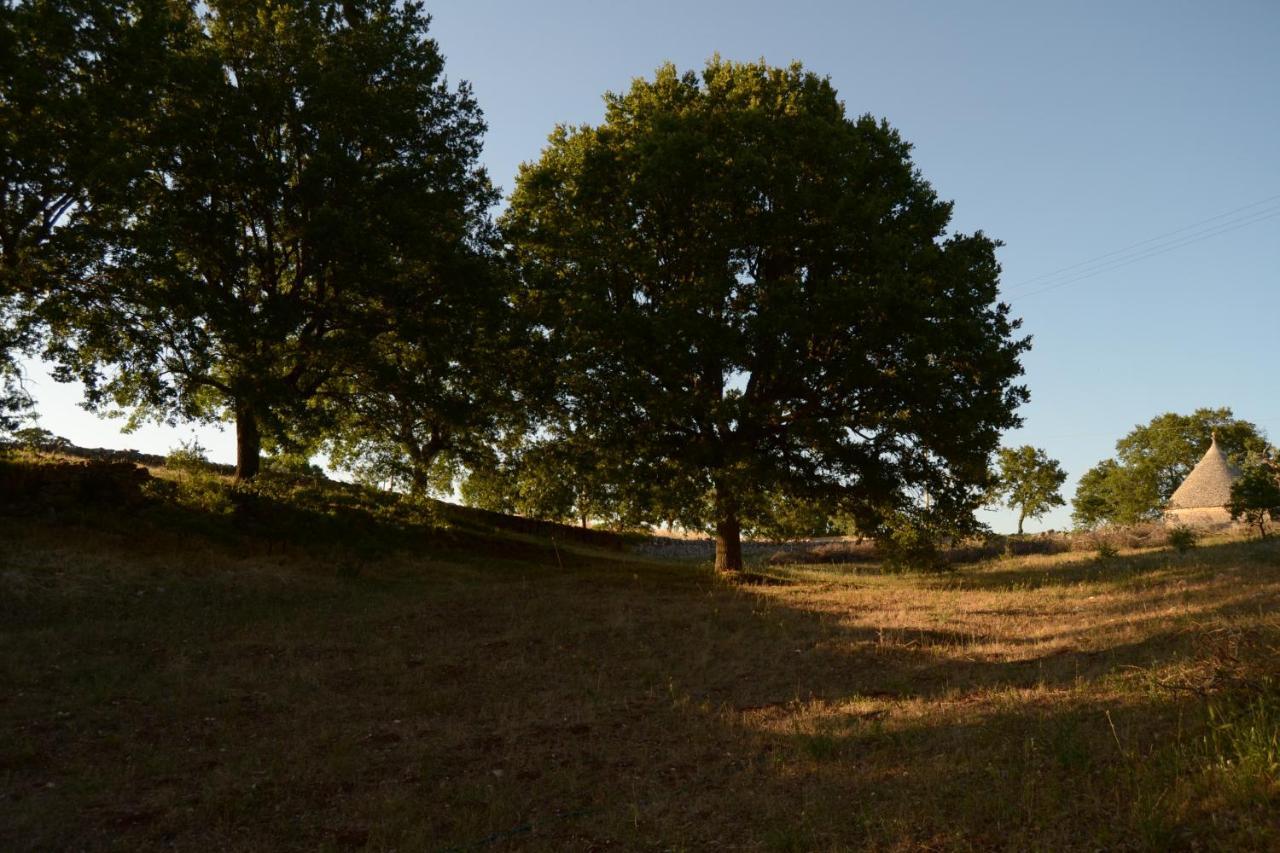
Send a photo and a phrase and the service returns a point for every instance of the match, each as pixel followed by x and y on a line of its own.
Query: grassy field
pixel 170 682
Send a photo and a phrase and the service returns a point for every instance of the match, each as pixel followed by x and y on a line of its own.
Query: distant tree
pixel 749 292
pixel 1153 460
pixel 530 480
pixel 1255 497
pixel 551 478
pixel 781 517
pixel 1029 481
pixel 1168 447
pixel 434 390
pixel 1109 493
pixel 311 180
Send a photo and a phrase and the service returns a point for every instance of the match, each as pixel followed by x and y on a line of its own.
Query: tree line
pixel 731 305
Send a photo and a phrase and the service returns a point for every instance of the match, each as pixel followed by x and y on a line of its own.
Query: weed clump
pixel 1243 741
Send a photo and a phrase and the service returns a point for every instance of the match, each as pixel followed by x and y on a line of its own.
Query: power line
pixel 1119 251
pixel 1117 263
pixel 1156 245
pixel 1090 268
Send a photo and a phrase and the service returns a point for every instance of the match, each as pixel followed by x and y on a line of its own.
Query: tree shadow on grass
pixel 611 703
pixel 278 516
pixel 819 735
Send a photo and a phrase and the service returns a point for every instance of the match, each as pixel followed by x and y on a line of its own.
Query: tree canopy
pixel 74 76
pixel 1153 459
pixel 748 292
pixel 439 387
pixel 309 181
pixel 1029 481
pixel 1255 497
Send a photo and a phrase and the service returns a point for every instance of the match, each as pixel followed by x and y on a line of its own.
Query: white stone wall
pixel 1210 516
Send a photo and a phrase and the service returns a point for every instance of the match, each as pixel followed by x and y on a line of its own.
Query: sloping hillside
pixel 295 669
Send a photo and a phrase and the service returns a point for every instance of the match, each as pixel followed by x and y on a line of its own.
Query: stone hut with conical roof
pixel 1200 500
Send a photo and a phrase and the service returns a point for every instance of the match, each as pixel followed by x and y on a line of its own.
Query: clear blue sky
pixel 1067 130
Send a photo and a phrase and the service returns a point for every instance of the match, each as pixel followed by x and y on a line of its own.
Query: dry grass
pixel 1132 537
pixel 166 690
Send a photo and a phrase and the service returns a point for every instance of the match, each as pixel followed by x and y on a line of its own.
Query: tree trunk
pixel 728 542
pixel 420 482
pixel 421 458
pixel 248 443
pixel 1021 517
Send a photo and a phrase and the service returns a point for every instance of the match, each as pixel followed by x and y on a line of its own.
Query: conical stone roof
pixel 1209 483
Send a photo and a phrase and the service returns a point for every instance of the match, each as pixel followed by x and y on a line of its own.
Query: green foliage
pixel 779 517
pixel 67 88
pixel 1107 551
pixel 1110 493
pixel 199 487
pixel 291 465
pixel 747 293
pixel 436 393
pixel 308 182
pixel 1183 538
pixel 910 546
pixel 535 480
pixel 555 480
pixel 1240 751
pixel 1255 497
pixel 918 538
pixel 38 438
pixel 188 457
pixel 15 402
pixel 1029 481
pixel 1153 460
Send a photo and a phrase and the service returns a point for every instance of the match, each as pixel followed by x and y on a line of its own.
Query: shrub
pixel 1255 497
pixel 199 486
pixel 1106 550
pixel 910 545
pixel 1183 538
pixel 188 457
pixel 1146 535
pixel 291 465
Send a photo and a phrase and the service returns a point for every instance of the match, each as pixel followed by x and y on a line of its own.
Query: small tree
pixel 1029 481
pixel 1255 497
pixel 783 517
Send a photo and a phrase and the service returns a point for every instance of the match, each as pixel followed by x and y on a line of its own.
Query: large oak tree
pixel 751 293
pixel 311 179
